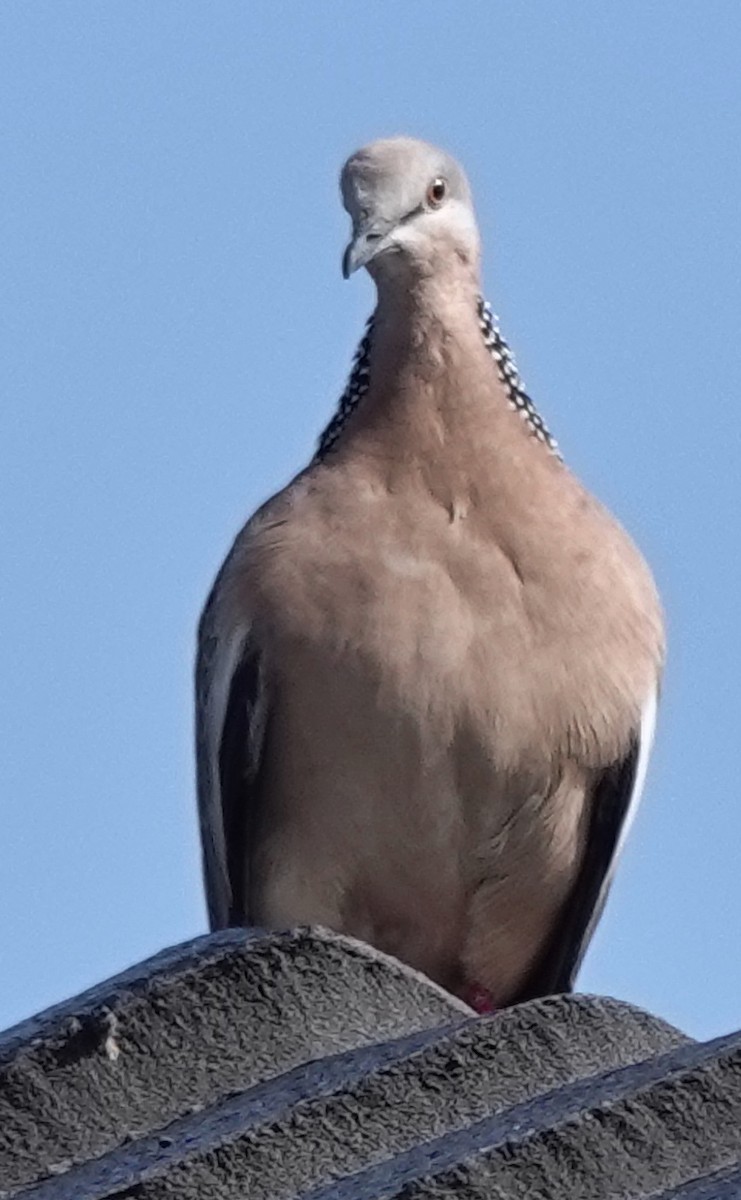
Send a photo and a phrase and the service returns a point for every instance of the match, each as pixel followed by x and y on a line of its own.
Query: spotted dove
pixel 427 670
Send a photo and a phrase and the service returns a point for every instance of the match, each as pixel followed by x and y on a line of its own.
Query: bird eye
pixel 436 193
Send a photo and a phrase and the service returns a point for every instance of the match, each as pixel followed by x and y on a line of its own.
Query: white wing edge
pixel 648 729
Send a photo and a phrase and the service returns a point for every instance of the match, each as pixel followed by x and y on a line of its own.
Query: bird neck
pixel 433 330
pixel 430 382
pixel 418 315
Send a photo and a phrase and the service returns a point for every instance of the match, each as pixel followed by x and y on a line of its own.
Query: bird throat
pixel 359 382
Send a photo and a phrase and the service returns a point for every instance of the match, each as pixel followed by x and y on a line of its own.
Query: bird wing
pixel 613 804
pixel 231 719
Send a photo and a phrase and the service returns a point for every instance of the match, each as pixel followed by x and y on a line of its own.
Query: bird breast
pixel 538 629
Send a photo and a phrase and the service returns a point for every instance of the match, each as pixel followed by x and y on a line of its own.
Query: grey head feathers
pixel 404 197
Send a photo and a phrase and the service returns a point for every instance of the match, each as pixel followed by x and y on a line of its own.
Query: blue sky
pixel 176 332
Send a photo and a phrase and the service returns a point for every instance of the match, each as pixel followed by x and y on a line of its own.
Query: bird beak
pixel 366 243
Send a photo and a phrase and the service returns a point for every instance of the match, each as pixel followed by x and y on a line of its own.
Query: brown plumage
pixel 427 669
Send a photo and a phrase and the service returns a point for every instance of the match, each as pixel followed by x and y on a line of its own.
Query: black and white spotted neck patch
pixel 355 389
pixel 505 364
pixel 359 380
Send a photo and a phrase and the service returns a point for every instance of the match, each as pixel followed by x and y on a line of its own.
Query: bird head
pixel 410 206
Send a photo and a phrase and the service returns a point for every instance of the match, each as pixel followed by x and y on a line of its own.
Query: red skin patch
pixel 477 998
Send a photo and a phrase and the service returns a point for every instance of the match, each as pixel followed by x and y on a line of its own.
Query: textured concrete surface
pixel 186 1028
pixel 277 1066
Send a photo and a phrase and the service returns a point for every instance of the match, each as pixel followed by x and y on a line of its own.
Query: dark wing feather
pixel 231 718
pixel 613 804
